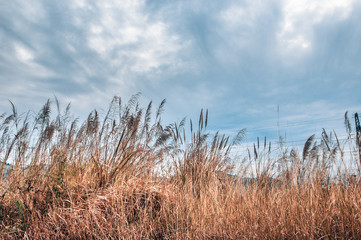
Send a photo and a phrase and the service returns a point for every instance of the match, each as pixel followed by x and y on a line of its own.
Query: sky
pixel 286 68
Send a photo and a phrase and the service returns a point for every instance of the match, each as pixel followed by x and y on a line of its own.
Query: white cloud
pixel 32 10
pixel 231 57
pixel 300 16
pixel 243 15
pixel 23 54
pixel 27 57
pixel 126 31
pixel 241 21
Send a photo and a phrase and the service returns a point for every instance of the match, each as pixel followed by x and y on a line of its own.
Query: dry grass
pixel 131 177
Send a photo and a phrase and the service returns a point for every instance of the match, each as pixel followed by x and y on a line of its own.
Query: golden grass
pixel 128 177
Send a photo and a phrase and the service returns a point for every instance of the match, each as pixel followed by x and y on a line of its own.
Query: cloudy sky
pixel 242 60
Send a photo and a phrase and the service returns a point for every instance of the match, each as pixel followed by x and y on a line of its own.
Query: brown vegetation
pixel 128 177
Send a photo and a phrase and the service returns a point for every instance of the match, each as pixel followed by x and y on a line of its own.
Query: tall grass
pixel 126 175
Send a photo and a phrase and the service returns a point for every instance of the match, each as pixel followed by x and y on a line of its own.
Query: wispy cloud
pixel 301 16
pixel 238 59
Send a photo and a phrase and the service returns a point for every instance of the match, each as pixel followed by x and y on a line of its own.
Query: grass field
pixel 127 176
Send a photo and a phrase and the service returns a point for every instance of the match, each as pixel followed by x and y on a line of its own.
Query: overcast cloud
pixel 239 59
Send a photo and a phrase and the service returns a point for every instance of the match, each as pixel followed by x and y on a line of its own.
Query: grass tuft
pixel 128 176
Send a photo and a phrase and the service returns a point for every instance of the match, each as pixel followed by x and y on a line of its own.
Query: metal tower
pixel 358 135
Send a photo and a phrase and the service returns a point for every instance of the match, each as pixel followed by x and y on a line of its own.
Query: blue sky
pixel 239 59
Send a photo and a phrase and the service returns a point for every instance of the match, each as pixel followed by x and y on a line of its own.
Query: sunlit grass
pixel 128 176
